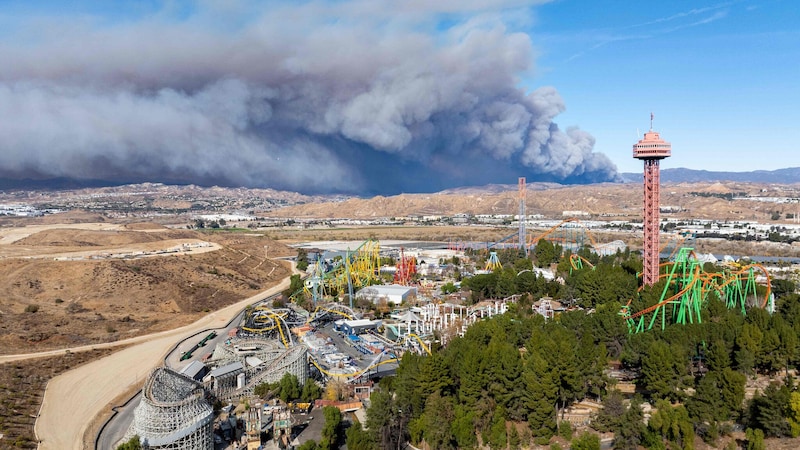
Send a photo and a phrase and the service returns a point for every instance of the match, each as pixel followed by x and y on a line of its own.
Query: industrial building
pixel 356 326
pixel 195 370
pixel 393 294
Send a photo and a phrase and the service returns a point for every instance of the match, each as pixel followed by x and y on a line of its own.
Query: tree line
pixel 507 382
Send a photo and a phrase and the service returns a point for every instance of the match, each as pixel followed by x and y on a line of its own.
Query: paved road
pixel 116 428
pixel 73 399
pixel 362 360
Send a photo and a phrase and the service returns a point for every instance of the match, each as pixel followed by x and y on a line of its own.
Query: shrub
pixel 31 308
pixel 565 430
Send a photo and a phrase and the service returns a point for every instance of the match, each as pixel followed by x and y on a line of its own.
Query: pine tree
pixel 610 415
pixel 497 435
pixel 472 371
pixel 661 372
pixel 673 425
pixel 767 411
pixel 513 438
pixel 463 428
pixel 586 441
pixel 289 387
pixel 132 444
pixel 718 356
pixel 794 413
pixel 504 368
pixel 330 430
pixel 748 345
pixel 541 395
pixel 436 422
pixel 358 439
pixel 559 350
pixel 628 433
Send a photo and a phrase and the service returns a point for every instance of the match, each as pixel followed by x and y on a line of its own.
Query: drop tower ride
pixel 651 149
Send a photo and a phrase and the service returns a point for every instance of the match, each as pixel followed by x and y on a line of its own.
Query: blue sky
pixel 722 78
pixel 387 96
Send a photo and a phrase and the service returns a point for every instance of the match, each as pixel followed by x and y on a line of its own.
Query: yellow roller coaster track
pixel 279 323
pixel 359 268
pixel 419 339
pixel 330 310
pixel 353 374
pixel 577 261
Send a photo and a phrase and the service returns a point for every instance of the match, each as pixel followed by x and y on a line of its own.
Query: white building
pixel 393 294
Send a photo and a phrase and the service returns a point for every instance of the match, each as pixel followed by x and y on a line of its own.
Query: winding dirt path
pixel 73 399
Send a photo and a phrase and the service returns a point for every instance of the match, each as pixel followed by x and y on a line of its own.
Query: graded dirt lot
pixel 66 285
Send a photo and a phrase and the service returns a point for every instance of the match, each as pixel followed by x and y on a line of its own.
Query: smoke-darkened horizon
pixel 309 97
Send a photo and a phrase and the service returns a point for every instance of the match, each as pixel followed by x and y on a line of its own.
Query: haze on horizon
pixel 359 96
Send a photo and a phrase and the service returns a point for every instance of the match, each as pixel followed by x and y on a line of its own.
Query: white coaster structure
pixel 244 363
pixel 173 413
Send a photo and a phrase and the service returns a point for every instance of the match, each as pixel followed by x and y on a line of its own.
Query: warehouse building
pixel 353 327
pixel 393 294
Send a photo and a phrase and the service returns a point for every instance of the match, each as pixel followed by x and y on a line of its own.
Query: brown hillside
pixel 697 200
pixel 47 303
pixel 83 238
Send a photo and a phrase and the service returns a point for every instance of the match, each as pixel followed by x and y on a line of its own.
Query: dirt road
pixel 74 398
pixel 11 235
pixel 9 248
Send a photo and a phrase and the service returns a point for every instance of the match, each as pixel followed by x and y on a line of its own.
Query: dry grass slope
pixel 46 304
pixel 21 386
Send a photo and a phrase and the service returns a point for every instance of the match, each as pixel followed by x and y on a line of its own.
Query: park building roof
pixel 226 369
pixel 193 369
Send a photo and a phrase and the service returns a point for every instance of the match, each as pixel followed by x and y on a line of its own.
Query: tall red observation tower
pixel 651 150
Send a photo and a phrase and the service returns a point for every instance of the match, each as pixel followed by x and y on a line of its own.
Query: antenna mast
pixel 522 216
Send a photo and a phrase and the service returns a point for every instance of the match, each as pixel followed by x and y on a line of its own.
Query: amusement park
pixel 538 332
pixel 348 320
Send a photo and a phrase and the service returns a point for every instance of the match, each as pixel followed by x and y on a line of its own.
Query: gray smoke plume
pixel 312 97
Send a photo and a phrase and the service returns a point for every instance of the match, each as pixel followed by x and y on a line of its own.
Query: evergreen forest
pixel 507 383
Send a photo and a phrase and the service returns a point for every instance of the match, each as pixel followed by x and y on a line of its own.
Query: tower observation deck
pixel 651 149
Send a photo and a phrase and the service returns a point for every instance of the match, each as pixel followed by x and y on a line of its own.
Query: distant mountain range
pixel 682 175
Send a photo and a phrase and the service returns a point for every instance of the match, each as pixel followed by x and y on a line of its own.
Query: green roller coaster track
pixel 686 289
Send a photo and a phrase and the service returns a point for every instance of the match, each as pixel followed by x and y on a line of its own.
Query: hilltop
pixel 708 200
pixel 83 283
pixel 683 175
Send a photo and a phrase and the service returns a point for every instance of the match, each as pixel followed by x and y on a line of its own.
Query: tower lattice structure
pixel 651 149
pixel 522 217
